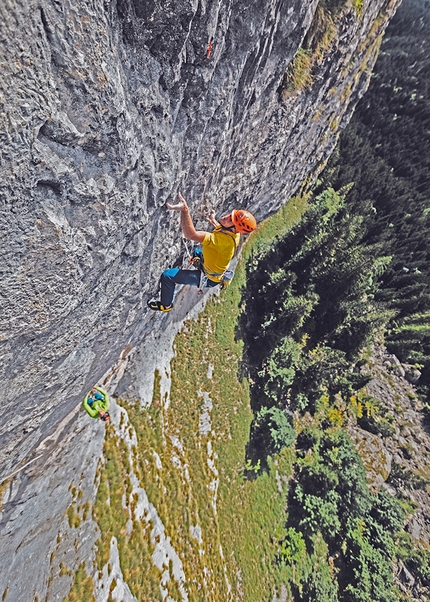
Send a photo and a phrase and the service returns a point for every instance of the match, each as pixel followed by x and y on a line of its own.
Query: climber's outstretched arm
pixel 187 225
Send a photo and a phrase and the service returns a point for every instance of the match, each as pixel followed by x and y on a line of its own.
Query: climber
pixel 218 248
pixel 209 49
pixel 96 403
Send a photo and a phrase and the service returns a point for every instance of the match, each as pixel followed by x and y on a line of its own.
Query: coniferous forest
pixel 282 492
pixel 385 152
pixel 356 264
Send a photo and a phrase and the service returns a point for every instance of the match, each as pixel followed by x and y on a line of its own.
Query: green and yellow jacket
pixel 95 402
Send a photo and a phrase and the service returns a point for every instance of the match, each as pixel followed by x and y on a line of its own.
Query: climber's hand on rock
pixel 212 219
pixel 181 206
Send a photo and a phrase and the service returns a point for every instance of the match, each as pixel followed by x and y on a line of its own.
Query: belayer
pixel 218 248
pixel 96 404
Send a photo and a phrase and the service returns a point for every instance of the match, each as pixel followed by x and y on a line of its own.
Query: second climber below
pixel 218 249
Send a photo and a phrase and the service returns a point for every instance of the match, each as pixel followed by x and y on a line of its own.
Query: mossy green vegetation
pixel 115 519
pixel 77 512
pixel 3 488
pixel 299 73
pixel 189 456
pixel 358 6
pixel 417 559
pixel 318 40
pixel 83 587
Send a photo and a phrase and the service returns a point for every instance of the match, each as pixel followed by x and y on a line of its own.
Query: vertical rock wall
pixel 107 109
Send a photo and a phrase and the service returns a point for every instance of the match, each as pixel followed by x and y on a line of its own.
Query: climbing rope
pixel 189 255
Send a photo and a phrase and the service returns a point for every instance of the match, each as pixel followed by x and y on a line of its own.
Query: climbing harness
pixel 195 259
pixel 225 277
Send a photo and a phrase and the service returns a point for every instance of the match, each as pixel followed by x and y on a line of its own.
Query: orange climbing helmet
pixel 243 221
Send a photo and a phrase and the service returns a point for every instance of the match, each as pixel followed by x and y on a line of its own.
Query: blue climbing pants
pixel 170 278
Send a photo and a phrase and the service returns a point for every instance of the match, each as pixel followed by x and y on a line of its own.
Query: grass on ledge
pixel 224 528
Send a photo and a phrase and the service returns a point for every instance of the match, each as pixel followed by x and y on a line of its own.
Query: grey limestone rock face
pixel 107 110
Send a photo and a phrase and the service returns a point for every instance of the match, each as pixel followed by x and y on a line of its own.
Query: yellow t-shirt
pixel 218 250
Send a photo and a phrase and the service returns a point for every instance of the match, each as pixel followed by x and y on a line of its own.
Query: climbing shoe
pixel 157 306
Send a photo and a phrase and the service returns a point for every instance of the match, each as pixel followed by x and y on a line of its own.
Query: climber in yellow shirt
pixel 218 248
